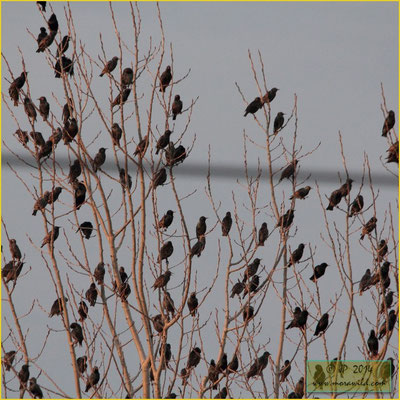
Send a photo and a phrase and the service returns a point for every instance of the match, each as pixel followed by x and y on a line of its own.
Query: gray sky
pixel 334 56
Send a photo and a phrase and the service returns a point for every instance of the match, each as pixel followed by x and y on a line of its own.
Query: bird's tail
pixel 330 208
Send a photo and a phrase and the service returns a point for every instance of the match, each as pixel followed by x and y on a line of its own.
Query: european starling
pixel 388 301
pixel 226 224
pixel 12 270
pixel 51 237
pixel 99 159
pixel 166 251
pixel 116 134
pixel 233 365
pixel 44 108
pixel 168 303
pixel 258 366
pixel 125 179
pixel 237 289
pixel 251 269
pixel 167 353
pixel 322 324
pixel 30 109
pixel 70 130
pixel 46 41
pixel 57 307
pixel 289 171
pixel 252 286
pixel 319 271
pixel 248 313
pixel 222 394
pixel 393 153
pixel 65 66
pixel 301 193
pixel 158 323
pixel 14 249
pixel 334 199
pixel 93 379
pixel 127 77
pixel 162 280
pixel 373 344
pixel 82 364
pixel 22 136
pixel 253 107
pixel 76 333
pixel 37 138
pixel 110 66
pixel 270 95
pixel 381 250
pixel 160 177
pixel 23 376
pixel 212 373
pixel 357 205
pixel 295 257
pixel 54 194
pixel 53 23
pixel 263 234
pixel 179 155
pixel 192 304
pixel 99 273
pixel 390 120
pixel 124 291
pixel 346 187
pixel 9 359
pixel 41 202
pixel 79 193
pixel 14 94
pixel 365 282
pixel 166 220
pixel 45 150
pixel 142 146
pixel 279 121
pixel 368 227
pixel 91 294
pixel 382 273
pixel 222 363
pixel 86 228
pixel 20 81
pixel 194 358
pixel 67 111
pixel 198 247
pixel 201 227
pixel 42 5
pixel 63 46
pixel 299 319
pixel 177 106
pixel 286 219
pixel 83 311
pixel 299 388
pixel 121 98
pixel 165 79
pixel 285 371
pixel 123 276
pixel 184 375
pixel 163 141
pixel 391 323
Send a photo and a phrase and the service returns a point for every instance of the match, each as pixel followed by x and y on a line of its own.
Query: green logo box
pixel 354 376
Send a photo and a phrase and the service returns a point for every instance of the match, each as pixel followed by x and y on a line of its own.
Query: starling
pixel 67 110
pixel 123 276
pixel 166 251
pixel 192 304
pixel 295 257
pixel 165 79
pixel 301 193
pixel 233 364
pixel 56 136
pixel 83 311
pixel 91 294
pixel 393 153
pixel 110 66
pixel 53 23
pixel 93 379
pixel 357 205
pixel 365 282
pixel 14 94
pixel 388 301
pixel 373 344
pixel 37 138
pixel 23 376
pixel 322 324
pixel 177 106
pixel 76 333
pixel 142 146
pixel 158 323
pixel 299 319
pixel 251 269
pixel 248 313
pixel 222 363
pixel 125 179
pixel 368 227
pixel 285 371
pixel 166 220
pixel 99 159
pixel 42 5
pixel 319 271
pixel 381 250
pixel 65 66
pixel 222 394
pixel 167 353
pixel 14 249
pixel 51 237
pixel 286 219
pixel 391 323
pixel 79 193
pixel 253 107
pixel 12 270
pixel 389 123
pixel 99 273
pixel 237 289
pixel 184 375
pixel 346 187
pixel 41 202
pixel 121 98
pixel 289 171
pixel 22 136
pixel 258 366
pixel 198 247
pixel 162 280
pixel 46 41
pixel 334 199
pixel 252 286
pixel 63 46
pixel 194 358
pixel 124 291
pixel 279 121
pixel 82 364
pixel 212 373
pixel 44 108
pixel 168 303
pixel 9 359
pixel 171 396
pixel 270 95
pixel 382 273
pixel 299 388
pixel 30 109
pixel 70 130
pixel 86 228
pixel 116 134
pixel 163 141
pixel 127 77
pixel 226 224
pixel 263 234
pixel 160 177
pixel 57 307
pixel 20 81
pixel 179 155
pixel 45 150
pixel 201 227
pixel 54 194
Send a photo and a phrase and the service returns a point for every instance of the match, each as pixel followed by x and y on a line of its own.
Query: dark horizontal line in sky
pixel 231 171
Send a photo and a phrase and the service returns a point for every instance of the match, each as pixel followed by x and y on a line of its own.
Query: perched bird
pixel 299 388
pixel 248 313
pixel 30 109
pixel 124 291
pixel 346 187
pixel 158 323
pixel 167 353
pixel 22 136
pixel 184 374
pixel 226 224
pixel 93 379
pixel 9 359
pixel 83 311
pixel 166 251
pixel 162 280
pixel 253 107
pixel 63 65
pixel 201 227
pixel 160 177
pixel 222 394
pixel 393 153
pixel 285 371
pixel 163 141
pixel 99 159
pixel 212 373
pixel 259 365
pixel 279 121
pixel 63 46
pixel 76 333
pixel 251 269
pixel 270 95
pixel 23 376
pixel 45 150
pixel 54 194
pixel 368 227
pixel 125 179
pixel 70 130
pixel 165 79
pixel 237 289
pixel 373 344
pixel 123 276
pixel 391 322
pixel 289 171
pixel 365 282
pixel 121 98
pixel 322 324
pixel 168 303
pixel 37 138
pixel 179 155
pixel 45 41
pixel 192 304
pixel 381 250
pixel 198 247
pixel 57 307
pixel 299 319
pixel 177 106
pixel 387 301
pixel 14 250
pixel 171 395
pixel 233 364
pixel 110 66
pixel 44 108
pixel 295 257
pixel 42 5
pixel 116 134
pixel 53 23
pixel 12 270
pixel 390 120
pixel 41 202
pixel 194 358
pixel 142 146
pixel 91 294
pixel 263 234
pixel 14 94
pixel 381 274
pixel 79 193
pixel 99 273
pixel 127 77
pixel 56 136
pixel 82 364
pixel 319 271
pixel 356 206
pixel 286 219
pixel 222 363
pixel 86 228
pixel 334 199
pixel 252 286
pixel 68 109
pixel 166 220
pixel 301 193
pixel 20 81
pixel 51 237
